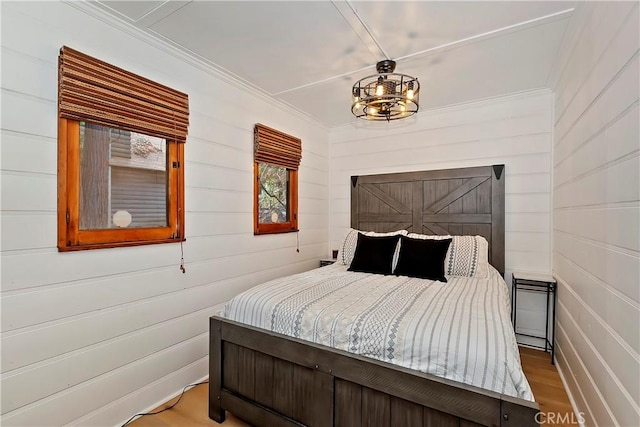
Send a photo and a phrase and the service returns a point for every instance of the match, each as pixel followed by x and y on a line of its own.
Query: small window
pixel 120 176
pixel 277 156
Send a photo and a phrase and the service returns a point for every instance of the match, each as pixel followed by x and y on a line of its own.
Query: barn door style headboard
pixel 465 201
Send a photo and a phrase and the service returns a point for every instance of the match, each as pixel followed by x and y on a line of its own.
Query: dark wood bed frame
pixel 269 379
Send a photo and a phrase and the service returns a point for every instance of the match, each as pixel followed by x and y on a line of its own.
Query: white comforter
pixel 460 330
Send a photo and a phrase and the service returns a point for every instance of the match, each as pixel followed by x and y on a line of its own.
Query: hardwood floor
pixel 542 375
pixel 547 388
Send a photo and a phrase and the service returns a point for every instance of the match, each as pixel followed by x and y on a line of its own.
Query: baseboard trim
pixel 572 401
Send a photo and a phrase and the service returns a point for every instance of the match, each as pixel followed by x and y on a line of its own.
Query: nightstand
pixel 539 283
pixel 327 261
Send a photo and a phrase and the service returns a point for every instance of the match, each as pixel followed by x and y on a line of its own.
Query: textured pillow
pixel 348 247
pixel 423 258
pixel 468 256
pixel 374 254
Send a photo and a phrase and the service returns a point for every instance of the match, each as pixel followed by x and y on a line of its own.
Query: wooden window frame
pixel 71 238
pixel 279 149
pixel 292 203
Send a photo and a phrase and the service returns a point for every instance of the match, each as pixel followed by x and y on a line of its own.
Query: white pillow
pixel 467 256
pixel 348 247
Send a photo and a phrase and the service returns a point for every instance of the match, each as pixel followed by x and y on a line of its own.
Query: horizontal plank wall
pixel 92 337
pixel 596 213
pixel 514 130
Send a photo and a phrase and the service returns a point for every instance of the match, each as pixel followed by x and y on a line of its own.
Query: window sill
pixel 288 230
pixel 117 244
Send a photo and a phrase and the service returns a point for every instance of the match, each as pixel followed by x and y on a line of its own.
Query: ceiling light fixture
pixel 386 95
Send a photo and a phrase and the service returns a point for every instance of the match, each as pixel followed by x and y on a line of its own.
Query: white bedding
pixel 460 330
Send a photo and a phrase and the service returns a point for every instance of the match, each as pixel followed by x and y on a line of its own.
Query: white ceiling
pixel 308 54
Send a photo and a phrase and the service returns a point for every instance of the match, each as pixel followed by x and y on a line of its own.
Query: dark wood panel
pixel 323 396
pixel 400 191
pixel 216 412
pixel 450 201
pixel 376 408
pixel 433 418
pixel 442 189
pixel 383 226
pixel 435 228
pixel 264 381
pixel 283 401
pixel 406 414
pixel 381 217
pixel 388 200
pixel 246 372
pixel 470 201
pixel 458 400
pixel 230 366
pixel 348 404
pixel 462 218
pixel 416 203
pixel 448 396
pixel 469 229
pixel 255 414
pixel 516 413
pixel 472 172
pixel 302 394
pixel 484 197
pixel 497 224
pixel 455 229
pixel 465 423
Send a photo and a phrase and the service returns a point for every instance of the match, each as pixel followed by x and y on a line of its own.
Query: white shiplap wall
pixel 92 337
pixel 596 211
pixel 515 130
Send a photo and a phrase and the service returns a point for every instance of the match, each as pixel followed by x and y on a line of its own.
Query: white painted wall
pixel 92 337
pixel 515 130
pixel 596 213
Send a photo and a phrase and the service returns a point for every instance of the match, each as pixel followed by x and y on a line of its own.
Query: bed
pixel 280 366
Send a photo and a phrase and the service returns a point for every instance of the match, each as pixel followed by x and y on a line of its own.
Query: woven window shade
pixel 94 91
pixel 276 148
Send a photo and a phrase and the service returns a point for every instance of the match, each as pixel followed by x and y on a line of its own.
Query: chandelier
pixel 386 95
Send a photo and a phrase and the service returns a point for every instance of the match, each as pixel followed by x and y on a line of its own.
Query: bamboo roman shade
pixel 94 91
pixel 276 148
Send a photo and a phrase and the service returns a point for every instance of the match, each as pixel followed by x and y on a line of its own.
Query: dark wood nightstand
pixel 539 283
pixel 327 261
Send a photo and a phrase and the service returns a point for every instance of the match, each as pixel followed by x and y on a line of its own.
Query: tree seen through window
pixel 274 194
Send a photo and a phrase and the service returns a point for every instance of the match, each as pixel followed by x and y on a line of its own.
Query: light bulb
pixel 379 90
pixel 409 93
pixel 403 108
pixel 373 111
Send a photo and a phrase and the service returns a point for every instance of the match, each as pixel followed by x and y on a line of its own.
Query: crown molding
pixel 91 8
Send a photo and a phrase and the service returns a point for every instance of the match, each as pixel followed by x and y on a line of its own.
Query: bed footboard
pixel 270 379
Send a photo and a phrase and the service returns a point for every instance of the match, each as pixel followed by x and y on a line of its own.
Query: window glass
pixel 273 197
pixel 123 179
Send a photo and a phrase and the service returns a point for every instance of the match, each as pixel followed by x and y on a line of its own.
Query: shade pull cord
pixel 184 270
pixel 298 241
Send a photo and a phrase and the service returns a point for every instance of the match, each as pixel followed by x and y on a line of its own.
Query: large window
pixel 276 161
pixel 120 151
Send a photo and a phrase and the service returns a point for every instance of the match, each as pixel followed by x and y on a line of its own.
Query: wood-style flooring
pixel 547 388
pixel 542 375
